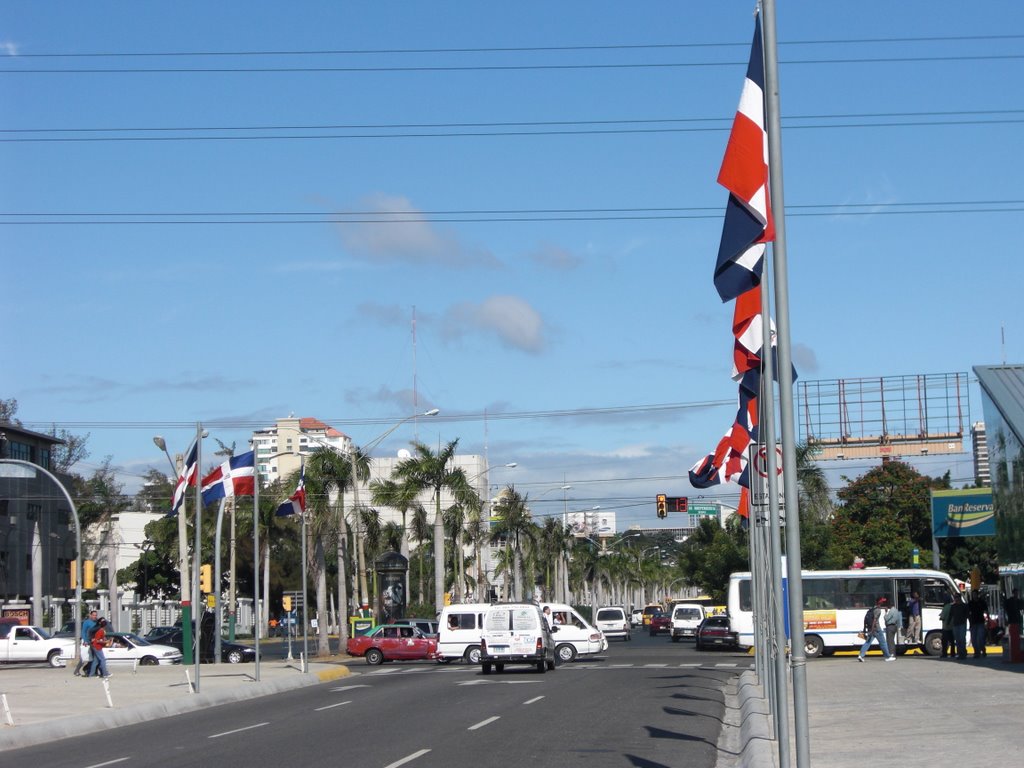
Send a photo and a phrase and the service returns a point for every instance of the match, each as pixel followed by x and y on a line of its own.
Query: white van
pixel 686 617
pixel 516 633
pixel 458 633
pixel 575 636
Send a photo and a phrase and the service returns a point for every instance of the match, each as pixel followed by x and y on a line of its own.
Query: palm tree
pixel 419 531
pixel 427 470
pixel 516 526
pixel 327 470
pixel 477 534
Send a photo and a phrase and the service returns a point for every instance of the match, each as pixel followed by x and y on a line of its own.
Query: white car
pixel 126 648
pixel 636 618
pixel 612 621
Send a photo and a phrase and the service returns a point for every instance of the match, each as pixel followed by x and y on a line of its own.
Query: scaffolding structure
pixel 885 416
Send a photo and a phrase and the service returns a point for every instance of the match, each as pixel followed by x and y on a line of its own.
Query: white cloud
pixel 555 257
pixel 407 237
pixel 515 323
pixel 8 48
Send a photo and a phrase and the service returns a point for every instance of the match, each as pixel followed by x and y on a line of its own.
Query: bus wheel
pixel 813 647
pixel 933 644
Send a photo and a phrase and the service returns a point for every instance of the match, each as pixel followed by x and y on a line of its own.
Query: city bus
pixel 835 603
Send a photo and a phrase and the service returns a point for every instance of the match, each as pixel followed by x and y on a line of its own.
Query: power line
pixel 494 67
pixel 513 49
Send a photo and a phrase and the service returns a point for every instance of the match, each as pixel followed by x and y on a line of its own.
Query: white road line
pixel 482 723
pixel 531 701
pixel 349 688
pixel 690 666
pixel 656 665
pixel 332 706
pixel 407 759
pixel 724 664
pixel 237 730
pixel 109 762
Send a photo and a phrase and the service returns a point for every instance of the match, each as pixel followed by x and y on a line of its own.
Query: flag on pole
pixel 729 461
pixel 744 172
pixel 235 477
pixel 296 503
pixel 186 479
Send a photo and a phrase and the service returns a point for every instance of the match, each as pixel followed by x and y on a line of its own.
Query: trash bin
pixel 391 568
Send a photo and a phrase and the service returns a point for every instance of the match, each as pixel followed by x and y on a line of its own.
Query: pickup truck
pixel 660 624
pixel 27 643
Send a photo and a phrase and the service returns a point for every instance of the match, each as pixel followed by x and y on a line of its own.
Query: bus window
pixel 935 594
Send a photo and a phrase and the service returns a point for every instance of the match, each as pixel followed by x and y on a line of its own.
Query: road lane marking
pixel 332 706
pixel 109 762
pixel 407 759
pixel 237 730
pixel 531 701
pixel 498 682
pixel 482 723
pixel 656 665
pixel 349 688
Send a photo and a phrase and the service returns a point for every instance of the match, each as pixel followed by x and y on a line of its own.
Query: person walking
pixel 977 612
pixel 99 642
pixel 947 629
pixel 893 628
pixel 85 652
pixel 874 629
pixel 958 620
pixel 914 619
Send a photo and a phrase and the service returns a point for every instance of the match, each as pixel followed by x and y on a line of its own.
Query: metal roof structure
pixel 1004 385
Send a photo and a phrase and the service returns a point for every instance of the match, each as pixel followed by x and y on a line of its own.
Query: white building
pixel 279 448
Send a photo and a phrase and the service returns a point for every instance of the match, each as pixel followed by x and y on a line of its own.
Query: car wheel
pixel 699 645
pixel 148 661
pixel 551 665
pixel 565 653
pixel 675 639
pixel 374 656
pixel 813 646
pixel 486 668
pixel 472 655
pixel 499 667
pixel 53 659
pixel 541 667
pixel 234 656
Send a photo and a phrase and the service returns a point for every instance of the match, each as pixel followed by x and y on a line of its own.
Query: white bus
pixel 835 603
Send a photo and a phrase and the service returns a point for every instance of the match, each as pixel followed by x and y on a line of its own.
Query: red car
pixel 392 642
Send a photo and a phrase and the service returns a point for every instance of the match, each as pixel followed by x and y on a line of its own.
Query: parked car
pixel 157 631
pixel 427 626
pixel 392 642
pixel 636 618
pixel 23 642
pixel 517 633
pixel 715 631
pixel 686 617
pixel 612 622
pixel 68 630
pixel 230 653
pixel 126 648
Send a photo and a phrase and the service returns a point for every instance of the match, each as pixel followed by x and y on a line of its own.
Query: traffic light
pixel 286 603
pixel 662 505
pixel 206 578
pixel 88 574
pixel 74 574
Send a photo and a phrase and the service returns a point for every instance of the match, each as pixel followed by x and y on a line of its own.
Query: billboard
pixel 966 512
pixel 592 524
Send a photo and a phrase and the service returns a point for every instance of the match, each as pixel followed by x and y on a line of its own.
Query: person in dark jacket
pixel 958 619
pixel 977 612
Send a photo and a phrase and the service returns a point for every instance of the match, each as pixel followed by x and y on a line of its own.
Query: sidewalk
pixel 922 710
pixel 47 704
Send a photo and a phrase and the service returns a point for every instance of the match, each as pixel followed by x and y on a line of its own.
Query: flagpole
pixel 256 559
pixel 786 417
pixel 197 553
pixel 184 567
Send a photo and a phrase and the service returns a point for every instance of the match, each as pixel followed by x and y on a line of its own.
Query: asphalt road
pixel 646 703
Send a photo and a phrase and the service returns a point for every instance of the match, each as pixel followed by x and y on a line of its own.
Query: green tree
pixel 515 526
pixel 711 553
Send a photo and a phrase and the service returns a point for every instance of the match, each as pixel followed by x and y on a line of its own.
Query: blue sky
pixel 125 329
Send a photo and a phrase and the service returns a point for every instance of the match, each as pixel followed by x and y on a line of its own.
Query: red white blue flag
pixel 728 463
pixel 235 477
pixel 186 479
pixel 296 503
pixel 748 217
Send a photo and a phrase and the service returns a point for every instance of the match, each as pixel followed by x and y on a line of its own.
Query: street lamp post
pixel 183 565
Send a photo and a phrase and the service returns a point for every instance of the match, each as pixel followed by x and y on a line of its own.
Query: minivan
pixel 458 632
pixel 575 636
pixel 612 622
pixel 516 633
pixel 686 617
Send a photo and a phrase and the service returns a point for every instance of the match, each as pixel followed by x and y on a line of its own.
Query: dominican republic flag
pixel 748 217
pixel 296 503
pixel 728 464
pixel 748 349
pixel 186 479
pixel 235 477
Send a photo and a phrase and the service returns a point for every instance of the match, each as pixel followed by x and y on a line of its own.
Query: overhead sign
pixel 966 512
pixel 709 510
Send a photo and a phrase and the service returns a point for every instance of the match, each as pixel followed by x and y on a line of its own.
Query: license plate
pixel 500 648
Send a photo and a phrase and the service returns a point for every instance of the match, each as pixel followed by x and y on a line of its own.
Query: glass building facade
pixel 1002 394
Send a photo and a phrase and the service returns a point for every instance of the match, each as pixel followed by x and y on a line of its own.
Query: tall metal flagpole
pixel 197 553
pixel 798 658
pixel 256 562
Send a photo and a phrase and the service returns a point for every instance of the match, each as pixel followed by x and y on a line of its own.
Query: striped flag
pixel 235 477
pixel 729 461
pixel 186 479
pixel 296 503
pixel 744 172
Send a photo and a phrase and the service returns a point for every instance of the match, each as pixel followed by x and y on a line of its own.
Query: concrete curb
pixel 757 740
